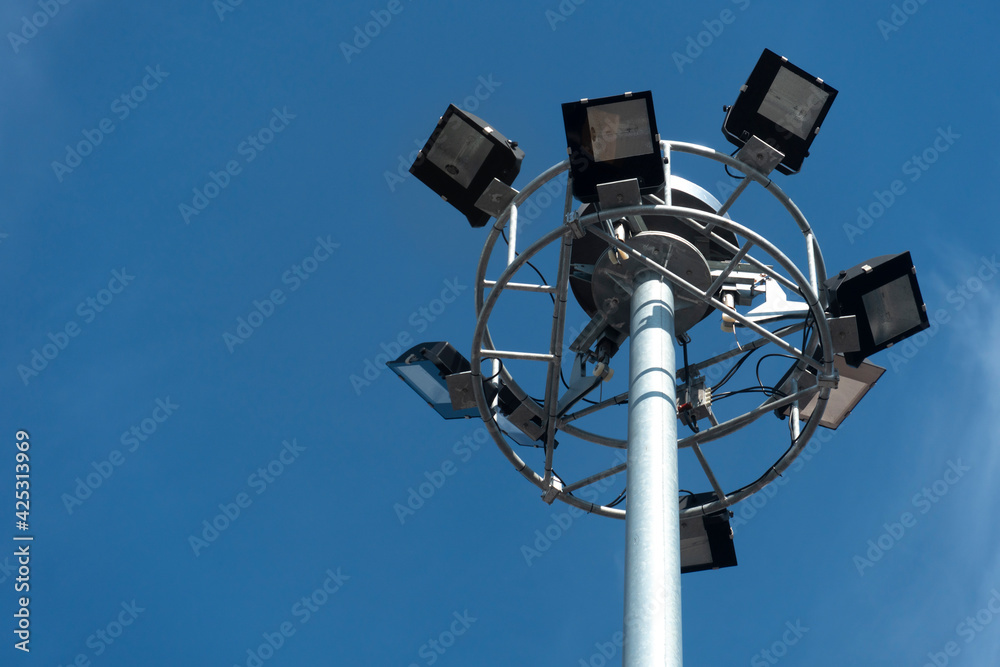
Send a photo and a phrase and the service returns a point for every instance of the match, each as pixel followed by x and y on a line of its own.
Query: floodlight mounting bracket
pixel 617 194
pixel 591 333
pixel 760 155
pixel 495 198
pixel 845 333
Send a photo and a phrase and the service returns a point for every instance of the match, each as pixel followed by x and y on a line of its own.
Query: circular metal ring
pixel 482 340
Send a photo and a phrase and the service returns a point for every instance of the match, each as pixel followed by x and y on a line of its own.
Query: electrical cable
pixel 757 370
pixel 497 373
pixel 806 329
pixel 767 391
pixel 732 371
pixel 503 233
pixel 582 398
pixel 731 174
pixel 794 441
pixel 684 339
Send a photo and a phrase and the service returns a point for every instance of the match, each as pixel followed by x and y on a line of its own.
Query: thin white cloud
pixel 976 381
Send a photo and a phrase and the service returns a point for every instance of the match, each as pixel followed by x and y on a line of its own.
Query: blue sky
pixel 206 234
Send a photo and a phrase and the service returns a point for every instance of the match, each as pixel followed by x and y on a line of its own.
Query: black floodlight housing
pixel 425 367
pixel 884 297
pixel 706 540
pixel 613 139
pixel 782 105
pixel 461 159
pixel 853 385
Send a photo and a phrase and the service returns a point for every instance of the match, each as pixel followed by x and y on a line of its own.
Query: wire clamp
pixel 831 380
pixel 555 488
pixel 573 222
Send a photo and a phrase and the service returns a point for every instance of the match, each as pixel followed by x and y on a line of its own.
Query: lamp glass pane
pixel 891 310
pixel 459 150
pixel 840 402
pixel 431 386
pixel 843 399
pixel 619 130
pixel 807 409
pixel 853 385
pixel 696 551
pixel 516 434
pixel 793 102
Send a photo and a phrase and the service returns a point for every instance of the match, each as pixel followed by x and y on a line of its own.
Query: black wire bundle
pixel 503 233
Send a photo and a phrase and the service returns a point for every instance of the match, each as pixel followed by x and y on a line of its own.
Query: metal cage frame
pixel 575 226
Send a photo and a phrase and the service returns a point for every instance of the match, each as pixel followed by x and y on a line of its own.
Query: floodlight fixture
pixel 613 139
pixel 426 367
pixel 443 378
pixel 884 297
pixel 707 539
pixel 782 105
pixel 463 158
pixel 854 383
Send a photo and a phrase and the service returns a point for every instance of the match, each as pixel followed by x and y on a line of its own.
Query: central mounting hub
pixel 614 276
pixel 589 250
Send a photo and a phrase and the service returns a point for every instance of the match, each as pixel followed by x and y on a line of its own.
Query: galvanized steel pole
pixel 652 523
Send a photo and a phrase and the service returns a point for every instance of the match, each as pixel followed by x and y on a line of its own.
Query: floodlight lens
pixel 849 392
pixel 460 151
pixel 696 549
pixel 891 309
pixel 430 386
pixel 855 382
pixel 793 102
pixel 619 130
pixel 840 403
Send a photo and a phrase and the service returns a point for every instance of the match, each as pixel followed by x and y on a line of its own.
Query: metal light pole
pixel 648 287
pixel 652 524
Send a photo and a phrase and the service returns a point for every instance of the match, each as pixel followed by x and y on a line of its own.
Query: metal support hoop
pixel 704 223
